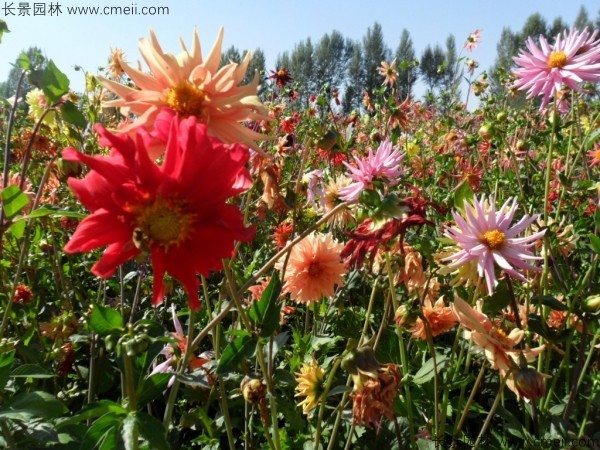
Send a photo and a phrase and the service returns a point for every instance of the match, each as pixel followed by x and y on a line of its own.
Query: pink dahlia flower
pixel 384 164
pixel 544 70
pixel 485 235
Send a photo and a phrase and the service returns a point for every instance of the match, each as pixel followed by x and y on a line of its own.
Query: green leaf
pixel 54 83
pixel 499 300
pixel 31 371
pixel 54 212
pixel 17 229
pixel 72 115
pixel 195 380
pixel 94 410
pixel 129 431
pixel 265 312
pixel 463 193
pixel 101 431
pixel 33 404
pixel 23 61
pixel 426 372
pixel 153 431
pixel 241 347
pixel 105 320
pixel 13 201
pixel 6 362
pixel 594 243
pixel 550 301
pixel 152 387
pixel 3 29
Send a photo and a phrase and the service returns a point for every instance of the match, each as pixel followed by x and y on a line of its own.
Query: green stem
pixel 131 395
pixel 328 384
pixel 490 415
pixel 271 390
pixel 182 368
pixel 403 358
pixel 368 315
pixel 468 405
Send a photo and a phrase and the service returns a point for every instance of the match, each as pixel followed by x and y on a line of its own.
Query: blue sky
pixel 274 26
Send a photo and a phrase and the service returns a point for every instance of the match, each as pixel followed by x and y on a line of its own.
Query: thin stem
pixel 328 384
pixel 271 390
pixel 491 413
pixel 463 417
pixel 184 364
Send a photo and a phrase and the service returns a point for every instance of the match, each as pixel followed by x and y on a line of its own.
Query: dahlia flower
pixel 384 164
pixel 314 268
pixel 485 235
pixel 544 70
pixel 176 212
pixel 472 41
pixel 389 72
pixel 440 318
pixel 190 86
pixel 310 379
pixel 501 349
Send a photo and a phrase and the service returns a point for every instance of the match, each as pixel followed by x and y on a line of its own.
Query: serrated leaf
pixel 153 431
pixel 152 387
pixel 13 201
pixel 31 371
pixel 594 243
pixel 71 114
pixel 241 347
pixel 33 404
pixel 54 83
pixel 463 193
pixel 264 313
pixel 105 320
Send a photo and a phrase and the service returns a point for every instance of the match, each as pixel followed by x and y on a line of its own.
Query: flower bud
pixel 529 383
pixel 592 303
pixel 253 389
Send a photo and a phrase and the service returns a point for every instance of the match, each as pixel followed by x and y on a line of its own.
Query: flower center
pixel 493 239
pixel 164 222
pixel 314 270
pixel 281 73
pixel 557 59
pixel 186 99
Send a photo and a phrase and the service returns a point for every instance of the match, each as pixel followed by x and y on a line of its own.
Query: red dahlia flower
pixel 177 211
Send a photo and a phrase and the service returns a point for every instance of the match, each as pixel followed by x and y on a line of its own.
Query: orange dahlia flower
pixel 314 268
pixel 177 212
pixel 190 86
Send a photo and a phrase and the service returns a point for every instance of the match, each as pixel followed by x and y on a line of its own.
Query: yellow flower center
pixel 164 222
pixel 281 73
pixel 557 59
pixel 493 239
pixel 186 99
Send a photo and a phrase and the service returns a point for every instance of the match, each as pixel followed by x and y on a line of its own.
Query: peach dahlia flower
pixel 314 268
pixel 191 86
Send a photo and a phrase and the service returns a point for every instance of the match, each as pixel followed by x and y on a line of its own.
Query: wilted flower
pixel 314 268
pixel 501 350
pixel 485 235
pixel 310 381
pixel 544 70
pixel 60 327
pixel 530 383
pixel 177 212
pixel 191 86
pixel 375 387
pixel 115 63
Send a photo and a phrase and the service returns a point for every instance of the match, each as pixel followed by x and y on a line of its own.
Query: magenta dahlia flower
pixel 574 58
pixel 485 235
pixel 383 165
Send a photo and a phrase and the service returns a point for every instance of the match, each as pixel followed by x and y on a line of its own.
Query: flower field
pixel 193 260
